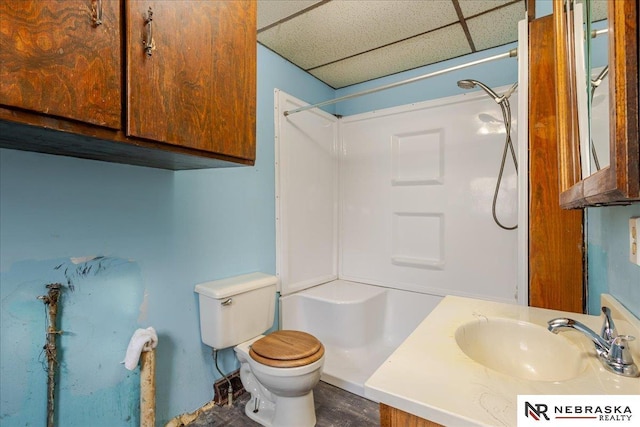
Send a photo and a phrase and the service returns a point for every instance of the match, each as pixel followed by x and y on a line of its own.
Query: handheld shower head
pixel 503 102
pixel 470 84
pixel 466 84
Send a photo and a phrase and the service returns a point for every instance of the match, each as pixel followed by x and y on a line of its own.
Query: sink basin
pixel 520 349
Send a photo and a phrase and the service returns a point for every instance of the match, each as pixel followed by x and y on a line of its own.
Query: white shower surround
pixel 359 325
pixel 416 188
pixel 398 200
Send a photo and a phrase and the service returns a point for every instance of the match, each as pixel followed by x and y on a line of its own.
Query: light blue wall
pixel 162 232
pixel 543 7
pixel 610 270
pixel 53 208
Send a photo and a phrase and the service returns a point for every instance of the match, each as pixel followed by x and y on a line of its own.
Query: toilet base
pixel 286 412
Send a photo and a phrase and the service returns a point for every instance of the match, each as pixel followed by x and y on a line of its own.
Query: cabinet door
pixel 194 83
pixel 57 59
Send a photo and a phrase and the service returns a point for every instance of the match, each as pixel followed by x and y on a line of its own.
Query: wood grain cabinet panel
pixel 169 84
pixel 394 417
pixel 55 59
pixel 196 87
pixel 556 246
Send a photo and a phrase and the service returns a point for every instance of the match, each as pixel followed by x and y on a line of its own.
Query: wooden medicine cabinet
pixel 619 181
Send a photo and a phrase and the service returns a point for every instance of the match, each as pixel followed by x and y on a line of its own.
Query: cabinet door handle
pixel 149 44
pixel 96 12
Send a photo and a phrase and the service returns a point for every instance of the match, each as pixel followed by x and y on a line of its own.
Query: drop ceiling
pixel 345 42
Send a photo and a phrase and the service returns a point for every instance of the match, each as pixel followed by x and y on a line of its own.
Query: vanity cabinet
pixel 168 84
pixel 394 417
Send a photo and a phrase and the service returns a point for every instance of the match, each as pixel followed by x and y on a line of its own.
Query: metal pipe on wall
pixel 51 349
pixel 148 388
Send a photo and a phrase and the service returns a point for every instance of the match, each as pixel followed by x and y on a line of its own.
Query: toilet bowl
pixel 281 369
pixel 281 395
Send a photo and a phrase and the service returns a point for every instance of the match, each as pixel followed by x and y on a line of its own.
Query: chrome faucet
pixel 612 349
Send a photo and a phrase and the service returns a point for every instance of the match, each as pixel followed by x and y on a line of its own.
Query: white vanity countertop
pixel 429 376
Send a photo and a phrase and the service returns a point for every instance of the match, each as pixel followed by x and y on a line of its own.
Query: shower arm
pixel 508 93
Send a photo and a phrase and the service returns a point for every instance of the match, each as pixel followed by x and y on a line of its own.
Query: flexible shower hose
pixel 508 145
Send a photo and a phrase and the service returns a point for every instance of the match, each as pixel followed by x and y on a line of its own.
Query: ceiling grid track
pixel 380 47
pixel 464 25
pixel 290 17
pixel 343 43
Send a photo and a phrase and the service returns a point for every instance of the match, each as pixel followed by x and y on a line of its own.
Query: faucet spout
pixel 609 331
pixel 612 349
pixel 563 323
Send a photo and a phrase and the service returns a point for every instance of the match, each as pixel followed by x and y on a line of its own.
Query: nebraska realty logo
pixel 578 410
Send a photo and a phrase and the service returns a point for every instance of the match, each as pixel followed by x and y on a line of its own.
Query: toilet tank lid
pixel 224 288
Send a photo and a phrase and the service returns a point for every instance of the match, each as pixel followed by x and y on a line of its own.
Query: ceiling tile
pixel 439 45
pixel 598 10
pixel 340 29
pixel 272 11
pixel 344 42
pixel 474 7
pixel 496 28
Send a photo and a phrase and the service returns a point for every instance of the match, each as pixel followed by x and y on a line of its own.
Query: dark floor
pixel 334 408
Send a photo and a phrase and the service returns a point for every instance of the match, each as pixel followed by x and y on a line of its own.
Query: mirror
pixel 590 29
pixel 595 152
pixel 617 180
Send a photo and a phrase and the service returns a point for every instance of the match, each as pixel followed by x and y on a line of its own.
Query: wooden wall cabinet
pixel 618 183
pixel 56 61
pixel 169 84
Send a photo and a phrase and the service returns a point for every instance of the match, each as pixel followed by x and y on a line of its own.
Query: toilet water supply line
pixel 50 348
pixel 230 388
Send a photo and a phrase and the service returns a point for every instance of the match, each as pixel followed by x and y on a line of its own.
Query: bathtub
pixel 360 325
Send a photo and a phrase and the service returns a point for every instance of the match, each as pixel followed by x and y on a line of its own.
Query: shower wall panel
pixel 416 190
pixel 306 195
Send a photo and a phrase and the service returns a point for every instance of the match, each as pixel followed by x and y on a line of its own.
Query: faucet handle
pixel 608 332
pixel 619 357
pixel 619 351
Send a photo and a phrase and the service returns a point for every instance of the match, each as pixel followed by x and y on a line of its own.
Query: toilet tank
pixel 236 309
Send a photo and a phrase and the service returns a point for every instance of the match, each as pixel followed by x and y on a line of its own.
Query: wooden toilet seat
pixel 287 349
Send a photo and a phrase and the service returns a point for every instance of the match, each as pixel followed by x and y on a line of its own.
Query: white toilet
pixel 281 369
